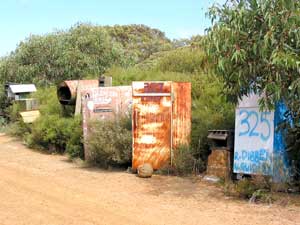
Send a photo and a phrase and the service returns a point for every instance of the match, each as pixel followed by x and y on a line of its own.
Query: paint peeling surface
pixel 259 144
pixel 158 115
pixel 104 103
pixel 282 166
pixel 67 90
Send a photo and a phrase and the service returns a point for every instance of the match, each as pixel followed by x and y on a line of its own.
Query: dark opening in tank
pixel 64 95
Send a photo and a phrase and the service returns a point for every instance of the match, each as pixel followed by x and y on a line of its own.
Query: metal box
pixel 104 103
pixel 161 121
pixel 67 90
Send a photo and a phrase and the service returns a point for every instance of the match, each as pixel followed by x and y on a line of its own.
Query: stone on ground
pixel 145 170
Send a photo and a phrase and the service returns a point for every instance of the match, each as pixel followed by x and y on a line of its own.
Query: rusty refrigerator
pixel 104 103
pixel 161 115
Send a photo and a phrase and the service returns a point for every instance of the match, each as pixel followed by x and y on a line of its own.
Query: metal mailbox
pixel 161 114
pixel 67 90
pixel 104 103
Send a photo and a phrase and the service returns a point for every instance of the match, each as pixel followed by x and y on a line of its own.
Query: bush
pixel 74 145
pixel 54 133
pixel 18 129
pixel 56 129
pixel 183 60
pixel 256 189
pixel 184 162
pixel 110 142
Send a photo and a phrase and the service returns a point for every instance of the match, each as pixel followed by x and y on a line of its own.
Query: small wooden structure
pixel 19 91
pixel 20 94
pixel 221 158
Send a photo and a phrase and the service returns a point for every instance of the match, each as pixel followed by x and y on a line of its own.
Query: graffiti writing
pixel 251 128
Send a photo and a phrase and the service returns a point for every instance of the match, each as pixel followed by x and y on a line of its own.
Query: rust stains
pixel 181 113
pixel 161 120
pixel 104 103
pixel 67 90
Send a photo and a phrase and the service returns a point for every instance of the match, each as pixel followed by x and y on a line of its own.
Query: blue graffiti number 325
pixel 259 119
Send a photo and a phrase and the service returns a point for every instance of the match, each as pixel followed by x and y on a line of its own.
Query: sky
pixel 177 18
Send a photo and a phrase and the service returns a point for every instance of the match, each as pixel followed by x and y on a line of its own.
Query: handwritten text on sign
pixel 254 133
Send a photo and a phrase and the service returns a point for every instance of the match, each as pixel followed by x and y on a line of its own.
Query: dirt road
pixel 38 189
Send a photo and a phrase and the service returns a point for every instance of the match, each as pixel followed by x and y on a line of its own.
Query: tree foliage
pixel 255 45
pixel 139 41
pixel 83 50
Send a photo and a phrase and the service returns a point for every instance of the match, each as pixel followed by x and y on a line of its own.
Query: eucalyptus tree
pixel 255 46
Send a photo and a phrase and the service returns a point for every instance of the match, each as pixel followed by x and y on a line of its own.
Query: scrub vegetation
pixel 127 53
pixel 251 46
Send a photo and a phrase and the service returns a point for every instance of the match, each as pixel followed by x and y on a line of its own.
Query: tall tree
pixel 255 45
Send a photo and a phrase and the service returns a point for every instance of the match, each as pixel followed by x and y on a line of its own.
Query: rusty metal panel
pixel 181 113
pixel 152 109
pixel 67 90
pixel 161 119
pixel 104 103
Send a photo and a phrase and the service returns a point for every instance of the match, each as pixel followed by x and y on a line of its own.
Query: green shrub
pixel 54 133
pixel 56 129
pixel 74 145
pixel 13 112
pixel 245 188
pixel 184 162
pixel 16 126
pixel 110 142
pixel 256 189
pixel 49 104
pixel 18 129
pixel 183 60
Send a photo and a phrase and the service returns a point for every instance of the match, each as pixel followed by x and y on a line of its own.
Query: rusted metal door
pixel 152 125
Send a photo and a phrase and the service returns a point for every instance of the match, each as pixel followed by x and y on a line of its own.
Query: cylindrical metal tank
pixel 67 90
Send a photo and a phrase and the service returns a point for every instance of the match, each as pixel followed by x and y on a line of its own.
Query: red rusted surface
pixel 181 113
pixel 161 118
pixel 67 90
pixel 104 103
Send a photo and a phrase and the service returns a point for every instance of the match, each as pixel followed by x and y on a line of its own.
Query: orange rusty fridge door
pixel 152 115
pixel 181 114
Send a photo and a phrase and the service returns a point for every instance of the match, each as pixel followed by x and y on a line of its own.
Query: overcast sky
pixel 177 18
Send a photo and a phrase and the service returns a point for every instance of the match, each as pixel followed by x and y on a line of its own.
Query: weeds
pixel 256 189
pixel 109 143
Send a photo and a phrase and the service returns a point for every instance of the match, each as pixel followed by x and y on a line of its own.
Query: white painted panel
pixel 254 136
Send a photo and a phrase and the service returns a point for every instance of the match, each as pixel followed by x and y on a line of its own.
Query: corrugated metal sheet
pixel 161 120
pixel 22 88
pixel 104 103
pixel 67 90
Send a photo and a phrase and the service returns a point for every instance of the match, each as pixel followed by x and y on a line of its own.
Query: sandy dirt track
pixel 38 189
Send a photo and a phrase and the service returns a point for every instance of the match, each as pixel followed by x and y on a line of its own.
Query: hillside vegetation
pixel 127 53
